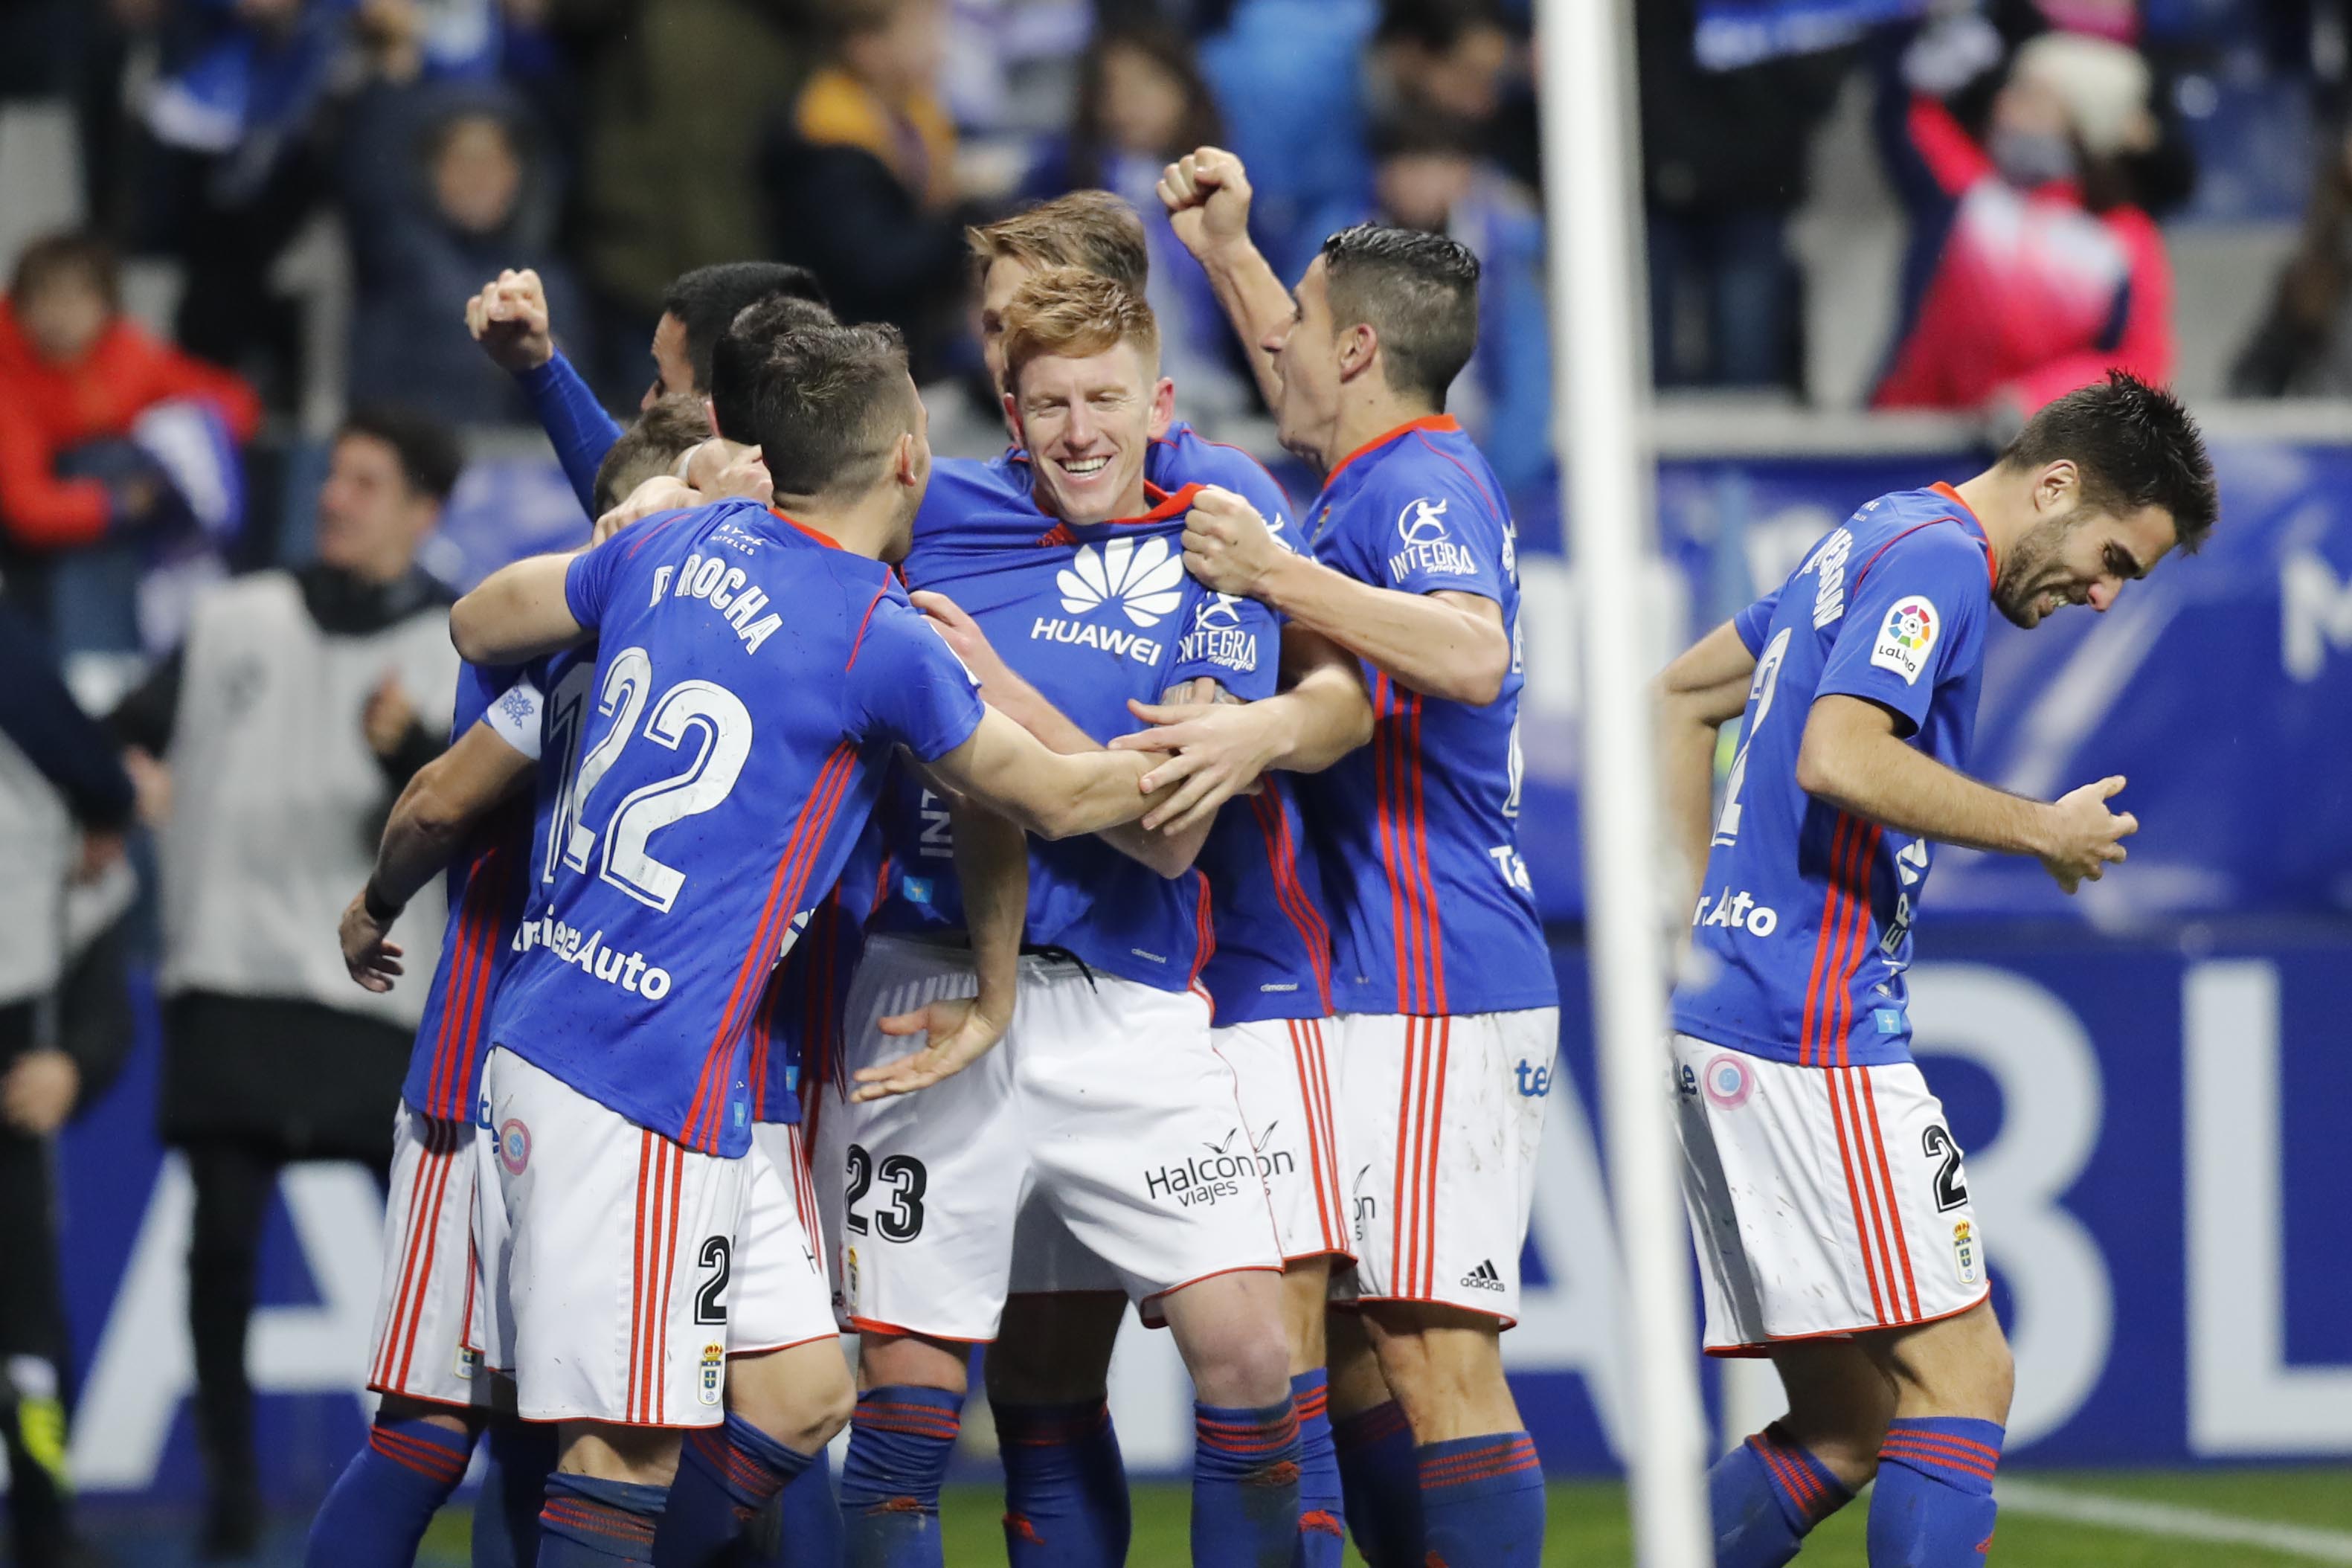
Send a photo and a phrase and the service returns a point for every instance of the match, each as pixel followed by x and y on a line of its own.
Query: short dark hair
pixel 707 300
pixel 1093 229
pixel 1418 292
pixel 54 256
pixel 2136 446
pixel 673 426
pixel 430 457
pixel 829 401
pixel 736 354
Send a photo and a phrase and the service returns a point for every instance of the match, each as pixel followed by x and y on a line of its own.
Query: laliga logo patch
pixel 714 1373
pixel 1145 580
pixel 1964 1253
pixel 1905 640
pixel 1728 1082
pixel 514 1146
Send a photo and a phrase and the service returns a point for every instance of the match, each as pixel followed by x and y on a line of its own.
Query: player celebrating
pixel 615 1082
pixel 1825 1192
pixel 1449 1016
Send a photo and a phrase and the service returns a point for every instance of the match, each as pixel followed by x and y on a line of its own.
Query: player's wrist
pixel 380 909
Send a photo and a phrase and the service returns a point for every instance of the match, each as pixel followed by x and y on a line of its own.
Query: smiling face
pixel 1088 425
pixel 1307 356
pixel 2077 552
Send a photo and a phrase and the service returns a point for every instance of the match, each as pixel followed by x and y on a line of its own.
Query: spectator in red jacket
pixel 2033 266
pixel 75 371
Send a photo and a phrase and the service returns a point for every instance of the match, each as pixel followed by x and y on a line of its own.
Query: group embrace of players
pixel 948 901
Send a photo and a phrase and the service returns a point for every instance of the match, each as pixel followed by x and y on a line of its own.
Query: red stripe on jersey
pixel 1413 960
pixel 488 880
pixel 1860 859
pixel 859 640
pixel 1385 818
pixel 1433 933
pixel 1829 912
pixel 1281 859
pixel 1204 937
pixel 1894 1209
pixel 1475 483
pixel 1854 1194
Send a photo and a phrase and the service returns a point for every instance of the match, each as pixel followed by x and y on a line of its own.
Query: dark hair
pixel 1419 292
pixel 828 403
pixel 707 300
pixel 2136 446
pixel 1173 52
pixel 736 355
pixel 430 458
pixel 1091 230
pixel 1437 26
pixel 53 256
pixel 673 426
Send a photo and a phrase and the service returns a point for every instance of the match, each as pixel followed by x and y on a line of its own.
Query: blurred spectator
pixel 2303 346
pixel 1428 174
pixel 2033 266
pixel 861 183
pixel 1723 167
pixel 299 704
pixel 1143 102
pixel 441 186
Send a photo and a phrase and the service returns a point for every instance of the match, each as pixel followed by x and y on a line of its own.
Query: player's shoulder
pixel 1185 457
pixel 1437 464
pixel 1925 531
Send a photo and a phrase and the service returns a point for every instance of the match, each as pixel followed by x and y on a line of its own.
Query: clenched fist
pixel 508 319
pixel 1207 193
pixel 1228 546
pixel 2084 837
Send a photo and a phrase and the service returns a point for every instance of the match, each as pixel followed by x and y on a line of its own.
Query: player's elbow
pixel 430 811
pixel 472 629
pixel 1823 769
pixel 1478 674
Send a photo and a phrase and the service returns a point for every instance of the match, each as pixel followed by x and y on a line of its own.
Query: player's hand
pixel 1207 193
pixel 39 1092
pixel 959 1033
pixel 720 469
pixel 388 716
pixel 2084 837
pixel 1228 546
pixel 508 319
pixel 150 782
pixel 660 493
pixel 373 961
pixel 1218 750
pixel 999 687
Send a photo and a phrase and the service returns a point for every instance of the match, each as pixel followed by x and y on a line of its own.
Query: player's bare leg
pixel 1229 1329
pixel 1378 1475
pixel 1065 1486
pixel 605 1496
pixel 1475 1462
pixel 783 1407
pixel 909 1411
pixel 1933 1505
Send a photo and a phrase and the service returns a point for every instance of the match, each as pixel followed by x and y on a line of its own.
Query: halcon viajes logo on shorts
pixel 1202 1179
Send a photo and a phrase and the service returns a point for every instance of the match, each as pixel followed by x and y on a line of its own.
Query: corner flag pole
pixel 1599 398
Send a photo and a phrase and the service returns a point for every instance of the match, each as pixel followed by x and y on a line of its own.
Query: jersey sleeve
pixel 1916 616
pixel 1233 641
pixel 514 716
pixel 1430 530
pixel 907 686
pixel 1754 623
pixel 588 581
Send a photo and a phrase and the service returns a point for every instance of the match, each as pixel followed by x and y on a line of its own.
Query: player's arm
pixel 1011 771
pixel 1207 193
pixel 510 318
pixel 446 798
pixel 1703 689
pixel 518 611
pixel 1852 758
pixel 1218 751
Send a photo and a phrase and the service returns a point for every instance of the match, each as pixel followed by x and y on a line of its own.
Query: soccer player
pixel 1448 1014
pixel 716 790
pixel 1825 1191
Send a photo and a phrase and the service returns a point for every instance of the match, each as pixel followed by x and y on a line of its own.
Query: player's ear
pixel 1359 345
pixel 1012 417
pixel 710 415
pixel 2059 490
pixel 1163 408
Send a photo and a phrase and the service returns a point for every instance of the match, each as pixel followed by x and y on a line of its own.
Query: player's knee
pixel 1247 1366
pixel 801 1402
pixel 905 1361
pixel 397 1409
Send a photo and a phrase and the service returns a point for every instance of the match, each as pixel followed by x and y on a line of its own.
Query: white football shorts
pixel 779 1296
pixel 1288 1091
pixel 1442 1118
pixel 1099 1146
pixel 1823 1200
pixel 607 1251
pixel 427 1343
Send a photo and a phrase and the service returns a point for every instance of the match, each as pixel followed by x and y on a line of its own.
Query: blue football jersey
pixel 797 1031
pixel 1265 906
pixel 1803 929
pixel 487 885
pixel 1091 614
pixel 1431 910
pixel 712 771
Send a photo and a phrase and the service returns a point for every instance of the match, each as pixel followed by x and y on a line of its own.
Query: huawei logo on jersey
pixel 1145 580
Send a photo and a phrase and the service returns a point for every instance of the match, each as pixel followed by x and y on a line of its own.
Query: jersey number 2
pixel 1951 1181
pixel 1760 687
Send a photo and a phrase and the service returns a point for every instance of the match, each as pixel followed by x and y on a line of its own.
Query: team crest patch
pixel 1906 636
pixel 849 1275
pixel 714 1373
pixel 469 1362
pixel 1728 1082
pixel 1965 1262
pixel 514 1146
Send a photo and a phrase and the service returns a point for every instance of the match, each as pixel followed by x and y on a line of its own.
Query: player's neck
pixel 2002 501
pixel 865 526
pixel 1366 417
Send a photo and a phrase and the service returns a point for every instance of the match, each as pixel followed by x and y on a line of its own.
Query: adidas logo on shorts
pixel 1483 1278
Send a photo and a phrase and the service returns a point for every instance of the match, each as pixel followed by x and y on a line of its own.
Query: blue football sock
pixel 899 1444
pixel 1766 1495
pixel 1482 1502
pixel 377 1514
pixel 519 1457
pixel 1933 1506
pixel 1244 1486
pixel 726 1474
pixel 810 1523
pixel 1322 1531
pixel 1065 1486
pixel 593 1523
pixel 1380 1480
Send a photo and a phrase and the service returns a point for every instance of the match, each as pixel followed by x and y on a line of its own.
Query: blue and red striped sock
pixel 1064 1486
pixel 519 1455
pixel 808 1521
pixel 1766 1495
pixel 899 1444
pixel 1932 1507
pixel 1380 1481
pixel 377 1514
pixel 1244 1486
pixel 1322 1511
pixel 593 1523
pixel 1482 1502
pixel 726 1474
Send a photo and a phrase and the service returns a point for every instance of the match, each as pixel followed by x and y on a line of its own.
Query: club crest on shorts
pixel 469 1362
pixel 514 1146
pixel 1964 1253
pixel 1727 1081
pixel 714 1373
pixel 849 1276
